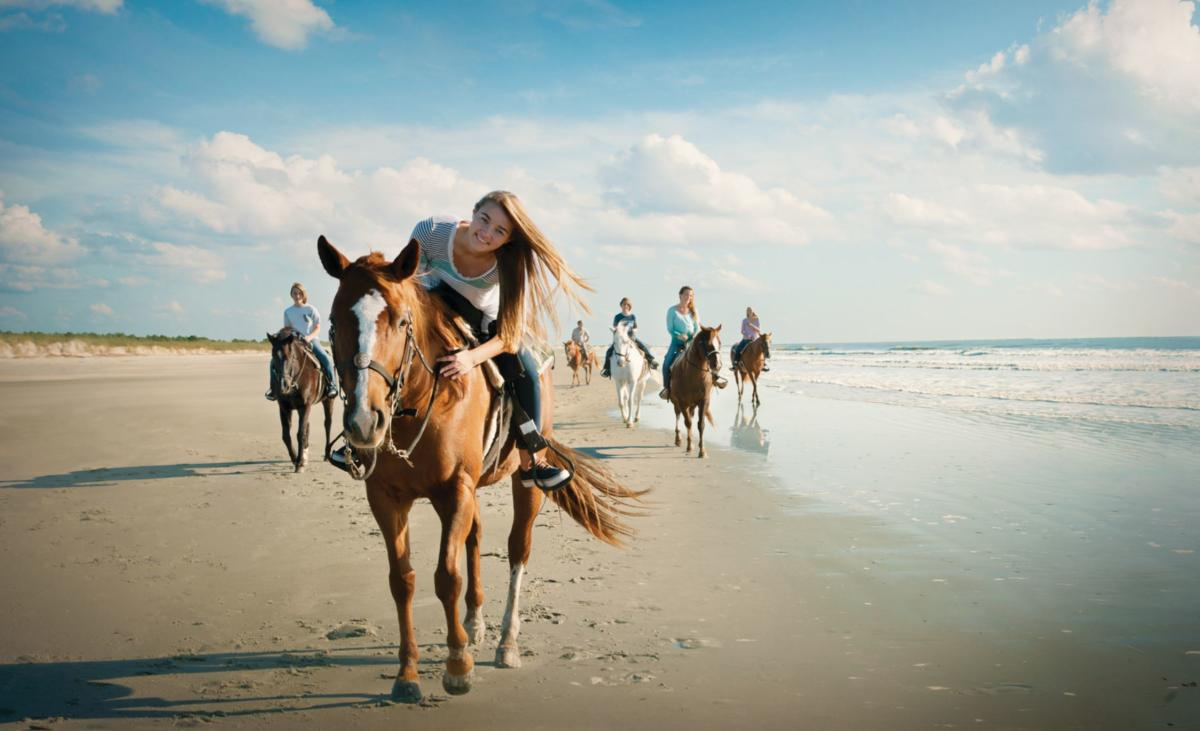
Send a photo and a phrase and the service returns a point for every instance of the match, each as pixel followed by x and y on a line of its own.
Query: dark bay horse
pixel 385 329
pixel 692 376
pixel 750 365
pixel 297 382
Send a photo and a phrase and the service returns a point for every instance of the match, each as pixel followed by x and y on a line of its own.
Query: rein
pixel 395 381
pixel 707 367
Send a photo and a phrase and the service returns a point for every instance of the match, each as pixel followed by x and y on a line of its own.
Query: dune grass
pixel 101 343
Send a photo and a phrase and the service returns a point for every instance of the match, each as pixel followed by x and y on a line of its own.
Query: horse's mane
pixel 436 317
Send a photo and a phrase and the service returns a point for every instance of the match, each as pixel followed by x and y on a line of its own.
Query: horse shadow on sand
pixel 109 476
pixel 104 689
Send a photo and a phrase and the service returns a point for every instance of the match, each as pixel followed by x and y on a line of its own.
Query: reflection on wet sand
pixel 747 434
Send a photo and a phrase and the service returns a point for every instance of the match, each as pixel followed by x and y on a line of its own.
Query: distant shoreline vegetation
pixel 82 345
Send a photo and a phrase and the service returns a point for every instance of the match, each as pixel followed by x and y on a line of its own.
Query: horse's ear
pixel 332 259
pixel 717 329
pixel 405 265
pixel 270 338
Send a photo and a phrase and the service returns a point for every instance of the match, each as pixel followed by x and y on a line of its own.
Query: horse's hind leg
pixel 754 385
pixel 687 422
pixel 678 441
pixel 392 517
pixel 526 504
pixel 457 511
pixel 285 420
pixel 474 625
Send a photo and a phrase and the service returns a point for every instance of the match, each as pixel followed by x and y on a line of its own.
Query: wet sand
pixel 163 567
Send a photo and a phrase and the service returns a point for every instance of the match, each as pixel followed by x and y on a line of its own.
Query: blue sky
pixel 855 171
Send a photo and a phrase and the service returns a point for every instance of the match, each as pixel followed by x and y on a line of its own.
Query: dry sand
pixel 163 567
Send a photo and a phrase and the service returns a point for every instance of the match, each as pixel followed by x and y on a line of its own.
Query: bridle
pixel 709 361
pixel 622 353
pixel 363 362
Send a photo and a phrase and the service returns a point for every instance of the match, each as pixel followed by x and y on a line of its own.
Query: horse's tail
pixel 708 414
pixel 594 497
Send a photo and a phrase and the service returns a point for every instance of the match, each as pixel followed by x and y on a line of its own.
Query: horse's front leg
pixel 639 392
pixel 754 386
pixel 285 420
pixel 738 381
pixel 392 517
pixel 678 441
pixel 701 411
pixel 328 404
pixel 457 511
pixel 526 504
pixel 302 437
pixel 475 626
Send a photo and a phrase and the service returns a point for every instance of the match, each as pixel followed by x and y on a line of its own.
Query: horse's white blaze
pixel 512 616
pixel 368 309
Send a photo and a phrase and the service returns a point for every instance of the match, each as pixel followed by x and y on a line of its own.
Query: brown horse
pixel 579 359
pixel 297 382
pixel 387 334
pixel 750 365
pixel 692 376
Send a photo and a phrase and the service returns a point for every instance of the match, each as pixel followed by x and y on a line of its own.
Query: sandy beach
pixel 163 567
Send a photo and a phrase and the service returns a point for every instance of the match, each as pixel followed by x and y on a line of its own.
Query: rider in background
pixel 303 318
pixel 626 315
pixel 750 332
pixel 581 338
pixel 683 322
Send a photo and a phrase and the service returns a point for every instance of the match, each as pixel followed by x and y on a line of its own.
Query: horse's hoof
pixel 457 684
pixel 299 468
pixel 508 657
pixel 406 691
pixel 702 454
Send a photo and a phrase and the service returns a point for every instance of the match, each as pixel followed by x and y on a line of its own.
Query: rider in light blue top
pixel 682 325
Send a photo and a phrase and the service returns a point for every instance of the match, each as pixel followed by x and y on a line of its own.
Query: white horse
pixel 630 370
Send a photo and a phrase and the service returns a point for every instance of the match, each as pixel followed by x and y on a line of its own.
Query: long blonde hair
pixel 526 264
pixel 296 286
pixel 692 304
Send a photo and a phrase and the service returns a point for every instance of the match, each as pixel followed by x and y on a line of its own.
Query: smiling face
pixel 685 297
pixel 490 229
pixel 626 307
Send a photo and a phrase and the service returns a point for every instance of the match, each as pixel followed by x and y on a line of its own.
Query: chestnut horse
pixel 297 382
pixel 692 376
pixel 579 358
pixel 387 333
pixel 750 365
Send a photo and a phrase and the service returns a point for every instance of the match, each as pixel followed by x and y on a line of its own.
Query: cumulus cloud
pixel 969 265
pixel 24 240
pixel 101 6
pixel 22 278
pixel 102 309
pixel 670 185
pixel 202 266
pixel 285 24
pixel 930 288
pixel 1114 90
pixel 8 312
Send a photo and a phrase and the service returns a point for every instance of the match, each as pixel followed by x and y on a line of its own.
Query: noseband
pixel 706 360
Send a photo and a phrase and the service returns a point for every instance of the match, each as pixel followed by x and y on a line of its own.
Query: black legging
pixel 519 368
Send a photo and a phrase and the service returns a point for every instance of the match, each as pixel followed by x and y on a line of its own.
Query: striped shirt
pixel 436 237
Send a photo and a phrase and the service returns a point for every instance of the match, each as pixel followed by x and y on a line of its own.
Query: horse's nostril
pixel 379 419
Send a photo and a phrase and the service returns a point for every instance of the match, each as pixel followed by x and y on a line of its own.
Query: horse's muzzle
pixel 365 427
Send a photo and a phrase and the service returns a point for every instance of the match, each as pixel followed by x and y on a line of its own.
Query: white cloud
pixel 914 211
pixel 930 288
pixel 8 312
pixel 202 266
pixel 587 15
pixel 969 265
pixel 1105 90
pixel 102 309
pixel 100 6
pixel 23 278
pixel 285 24
pixel 23 238
pixel 669 186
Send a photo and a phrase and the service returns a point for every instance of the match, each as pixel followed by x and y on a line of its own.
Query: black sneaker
pixel 545 476
pixel 270 395
pixel 331 392
pixel 605 373
pixel 654 364
pixel 766 368
pixel 720 382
